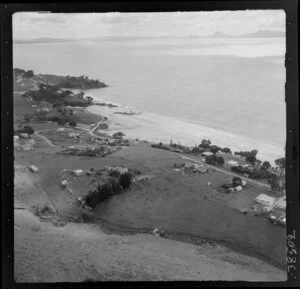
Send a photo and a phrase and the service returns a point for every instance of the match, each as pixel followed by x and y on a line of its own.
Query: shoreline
pixel 157 128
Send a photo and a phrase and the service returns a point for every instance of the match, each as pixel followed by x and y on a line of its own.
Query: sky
pixel 30 25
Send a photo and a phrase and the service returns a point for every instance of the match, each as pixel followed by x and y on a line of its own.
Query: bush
pixel 116 187
pixel 125 180
pixel 220 161
pixel 114 173
pixel 236 181
pixel 28 74
pixel 26 129
pixel 251 159
pixel 72 123
pixel 60 121
pixel 211 159
pixel 260 174
pixel 241 170
pixel 197 150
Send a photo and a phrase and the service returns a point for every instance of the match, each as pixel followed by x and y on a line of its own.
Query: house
pixel 33 169
pixel 77 172
pixel 44 107
pixel 233 163
pixel 72 134
pixel 265 200
pixel 68 110
pixel 246 166
pixel 206 154
pixel 281 203
pixel 24 135
pixel 121 170
pixel 61 129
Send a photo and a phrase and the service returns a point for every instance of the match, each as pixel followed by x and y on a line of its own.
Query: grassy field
pixel 182 204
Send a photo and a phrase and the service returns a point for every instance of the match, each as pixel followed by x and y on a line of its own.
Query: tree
pixel 211 159
pixel 72 123
pixel 205 143
pixel 254 152
pixel 125 180
pixel 220 161
pixel 236 181
pixel 226 150
pixel 280 163
pixel 214 149
pixel 266 165
pixel 26 129
pixel 251 159
pixel 197 150
pixel 29 74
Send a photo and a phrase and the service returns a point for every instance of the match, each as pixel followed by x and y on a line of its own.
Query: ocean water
pixel 231 85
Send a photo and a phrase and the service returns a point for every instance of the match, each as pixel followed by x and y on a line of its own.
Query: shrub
pixel 72 123
pixel 136 172
pixel 116 187
pixel 241 170
pixel 125 180
pixel 26 129
pixel 28 74
pixel 211 159
pixel 60 121
pixel 274 182
pixel 236 181
pixel 114 173
pixel 260 174
pixel 197 150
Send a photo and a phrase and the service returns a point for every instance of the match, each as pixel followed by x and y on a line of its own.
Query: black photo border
pixel 292 126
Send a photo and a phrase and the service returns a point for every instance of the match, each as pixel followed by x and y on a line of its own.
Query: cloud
pixel 83 25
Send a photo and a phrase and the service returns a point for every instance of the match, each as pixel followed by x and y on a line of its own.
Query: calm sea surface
pixel 234 85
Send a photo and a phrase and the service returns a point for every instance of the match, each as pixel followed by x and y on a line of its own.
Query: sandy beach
pixel 157 128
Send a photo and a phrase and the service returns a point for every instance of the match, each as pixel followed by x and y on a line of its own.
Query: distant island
pixel 258 34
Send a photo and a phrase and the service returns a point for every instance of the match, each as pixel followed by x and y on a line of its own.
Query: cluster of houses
pixel 44 107
pixel 71 134
pixel 196 168
pixel 23 142
pixel 275 207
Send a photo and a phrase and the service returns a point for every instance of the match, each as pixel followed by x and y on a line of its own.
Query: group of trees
pixel 214 159
pixel 24 73
pixel 53 94
pixel 206 145
pixel 26 129
pixel 111 187
pixel 80 82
